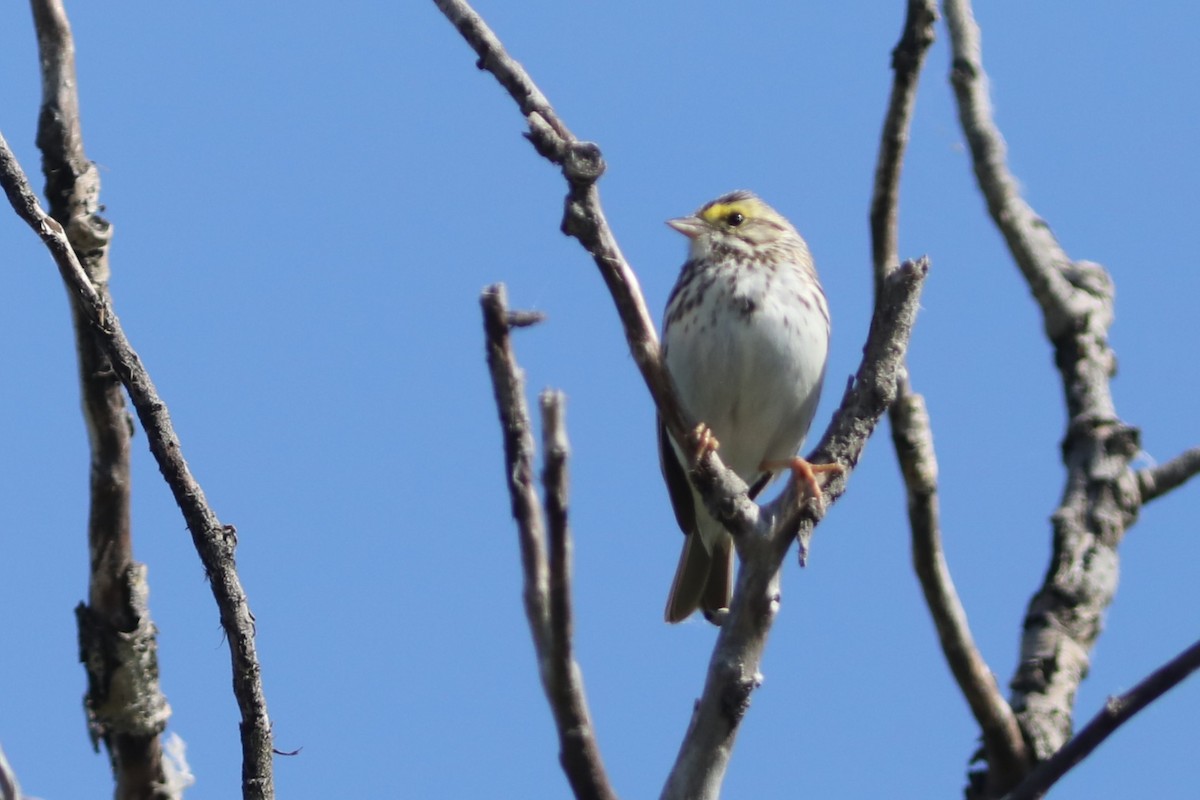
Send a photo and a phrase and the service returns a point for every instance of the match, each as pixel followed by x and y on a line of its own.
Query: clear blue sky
pixel 307 203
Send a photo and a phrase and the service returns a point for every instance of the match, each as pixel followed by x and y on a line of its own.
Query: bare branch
pixel 125 706
pixel 1035 249
pixel 508 384
pixel 582 165
pixel 1003 745
pixel 1117 711
pixel 1154 482
pixel 907 58
pixel 214 541
pixel 733 670
pixel 912 435
pixel 547 577
pixel 1101 498
pixel 555 451
pixel 580 755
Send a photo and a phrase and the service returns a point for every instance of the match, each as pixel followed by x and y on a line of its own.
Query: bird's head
pixel 737 221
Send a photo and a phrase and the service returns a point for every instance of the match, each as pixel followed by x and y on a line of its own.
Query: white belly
pixel 754 380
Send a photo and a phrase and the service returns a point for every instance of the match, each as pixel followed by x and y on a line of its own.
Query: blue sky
pixel 306 206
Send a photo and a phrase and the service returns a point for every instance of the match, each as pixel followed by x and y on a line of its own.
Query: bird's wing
pixel 676 477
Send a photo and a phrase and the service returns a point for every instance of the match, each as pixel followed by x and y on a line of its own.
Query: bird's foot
pixel 703 442
pixel 805 475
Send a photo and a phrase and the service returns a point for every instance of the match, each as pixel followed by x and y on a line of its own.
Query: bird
pixel 745 342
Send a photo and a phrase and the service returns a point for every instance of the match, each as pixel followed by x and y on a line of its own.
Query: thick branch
pixel 912 435
pixel 1101 498
pixel 1154 482
pixel 125 707
pixel 547 570
pixel 214 542
pixel 1117 711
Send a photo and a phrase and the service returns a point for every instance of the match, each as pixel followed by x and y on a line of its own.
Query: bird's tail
pixel 702 580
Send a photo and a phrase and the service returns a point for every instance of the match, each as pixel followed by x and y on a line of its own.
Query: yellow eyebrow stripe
pixel 718 211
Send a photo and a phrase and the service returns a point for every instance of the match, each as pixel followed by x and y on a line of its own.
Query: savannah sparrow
pixel 745 339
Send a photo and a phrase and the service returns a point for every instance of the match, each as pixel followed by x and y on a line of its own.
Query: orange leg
pixel 804 473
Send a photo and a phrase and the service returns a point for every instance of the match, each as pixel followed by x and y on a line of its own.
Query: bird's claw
pixel 703 441
pixel 804 473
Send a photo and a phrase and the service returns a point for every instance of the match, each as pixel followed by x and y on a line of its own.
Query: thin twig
pixel 547 570
pixel 214 541
pixel 125 706
pixel 1101 498
pixel 508 384
pixel 912 434
pixel 907 58
pixel 1154 482
pixel 555 451
pixel 580 755
pixel 1003 745
pixel 1117 711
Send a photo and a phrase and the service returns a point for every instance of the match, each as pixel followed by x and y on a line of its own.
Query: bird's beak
pixel 690 227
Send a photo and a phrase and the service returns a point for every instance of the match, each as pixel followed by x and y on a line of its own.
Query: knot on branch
pixel 962 72
pixel 1123 441
pixel 1090 277
pixel 918 36
pixel 123 694
pixel 229 538
pixel 736 697
pixel 1110 437
pixel 89 235
pixel 584 163
pixel 1085 308
pixel 578 220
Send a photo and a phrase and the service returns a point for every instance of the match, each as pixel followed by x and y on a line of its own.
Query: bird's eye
pixel 735 218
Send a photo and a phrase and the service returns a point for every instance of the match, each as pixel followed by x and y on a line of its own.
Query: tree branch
pixel 214 542
pixel 1154 482
pixel 1117 711
pixel 1101 498
pixel 547 589
pixel 508 384
pixel 912 435
pixel 582 165
pixel 1038 254
pixel 907 58
pixel 1003 746
pixel 125 706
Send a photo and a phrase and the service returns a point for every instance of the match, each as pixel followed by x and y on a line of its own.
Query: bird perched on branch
pixel 745 340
